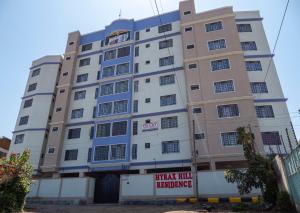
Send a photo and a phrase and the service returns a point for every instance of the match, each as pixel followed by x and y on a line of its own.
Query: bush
pixel 284 203
pixel 15 180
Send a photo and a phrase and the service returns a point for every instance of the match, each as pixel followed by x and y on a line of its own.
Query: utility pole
pixel 194 167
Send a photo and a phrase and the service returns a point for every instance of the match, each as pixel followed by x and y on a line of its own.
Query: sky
pixel 30 29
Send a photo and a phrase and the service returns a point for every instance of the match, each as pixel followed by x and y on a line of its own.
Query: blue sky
pixel 31 29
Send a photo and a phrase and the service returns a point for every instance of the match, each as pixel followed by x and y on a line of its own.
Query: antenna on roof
pixel 120 14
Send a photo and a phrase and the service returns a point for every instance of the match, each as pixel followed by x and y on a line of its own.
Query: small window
pixel 148 62
pixel 195 87
pixel 190 46
pixel 217 44
pixel 79 95
pixel 188 29
pixel 265 111
pixel 186 12
pixel 100 59
pixel 259 87
pixel 271 138
pixel 148 30
pixel 136 68
pixel 94 112
pixel 62 91
pixel 51 150
pixel 55 129
pixel 124 51
pixel 84 62
pixel 19 138
pixel 147 145
pixel 98 75
pixel 24 120
pixel 136 51
pixel 166 61
pixel 32 87
pixel 167 79
pixel 248 46
pixel 147 80
pixel 96 92
pixel 35 72
pixel 135 106
pixel 167 100
pixel 229 138
pixel 199 136
pixel 244 28
pixel 137 36
pixel 92 132
pixel 213 26
pixel 65 73
pixel 28 103
pixel 86 47
pixel 82 77
pixel 226 111
pixel 253 65
pixel 77 113
pixel 148 121
pixel 58 109
pixel 197 110
pixel 90 153
pixel 147 100
pixel 170 147
pixel 165 44
pixel 224 86
pixel 135 128
pixel 71 43
pixel 169 122
pixel 136 86
pixel 68 58
pixel 147 45
pixel 164 28
pixel 220 64
pixel 134 152
pixel 102 43
pixel 192 66
pixel 74 133
pixel 71 154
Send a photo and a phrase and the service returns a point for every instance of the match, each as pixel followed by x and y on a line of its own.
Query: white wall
pixel 49 188
pixel 137 185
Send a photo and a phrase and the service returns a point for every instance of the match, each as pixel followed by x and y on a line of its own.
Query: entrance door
pixel 107 189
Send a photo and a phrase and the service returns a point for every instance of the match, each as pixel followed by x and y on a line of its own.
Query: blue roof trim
pixel 38 65
pixel 271 100
pixel 160 113
pixel 248 19
pixel 86 85
pixel 158 72
pixel 157 38
pixel 32 129
pixel 92 37
pixel 259 56
pixel 41 93
pixel 80 123
pixel 160 162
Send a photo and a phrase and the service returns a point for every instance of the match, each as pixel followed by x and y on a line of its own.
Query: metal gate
pixel 107 189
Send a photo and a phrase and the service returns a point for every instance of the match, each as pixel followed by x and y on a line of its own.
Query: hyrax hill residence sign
pixel 173 180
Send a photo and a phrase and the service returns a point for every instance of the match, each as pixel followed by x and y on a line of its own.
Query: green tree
pixel 15 180
pixel 259 174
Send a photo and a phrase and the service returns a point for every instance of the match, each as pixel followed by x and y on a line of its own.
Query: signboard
pixel 117 37
pixel 150 126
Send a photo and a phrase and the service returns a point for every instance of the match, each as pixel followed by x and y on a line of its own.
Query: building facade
pixel 4 146
pixel 154 95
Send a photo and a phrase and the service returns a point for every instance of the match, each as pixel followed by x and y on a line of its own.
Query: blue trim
pixel 41 93
pixel 38 65
pixel 259 56
pixel 91 53
pixel 92 37
pixel 86 85
pixel 73 167
pixel 157 38
pixel 32 129
pixel 248 19
pixel 160 162
pixel 160 113
pixel 158 72
pixel 271 100
pixel 80 123
pixel 110 168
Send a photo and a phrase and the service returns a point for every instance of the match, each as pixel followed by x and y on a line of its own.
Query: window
pixel 195 87
pixel 98 75
pixel 169 122
pixel 164 28
pixel 120 106
pixel 58 109
pixel 167 100
pixel 96 92
pixel 248 45
pixel 170 147
pixel 35 72
pixel 77 113
pixel 216 44
pixel 271 138
pixel 167 79
pixel 147 80
pixel 137 36
pixel 90 152
pixel 74 133
pixel 79 95
pixel 101 153
pixel 32 87
pixel 188 29
pixel 122 69
pixel 135 106
pixel 71 154
pixel 62 91
pixel 118 152
pixel 258 87
pixel 84 62
pixel 105 108
pixel 147 45
pixel 147 145
pixel 136 68
pixel 136 51
pixel 86 47
pixel 68 58
pixel 186 12
pixel 102 43
pixel 100 59
pixel 107 89
pixel 71 42
pixel 253 66
pixel 147 100
pixel 192 66
pixel 27 103
pixel 213 26
pixel 148 30
pixel 147 62
pixel 199 136
pixel 190 46
pixel 121 86
pixel 136 86
pixel 109 55
pixel 124 51
pixel 119 128
pixel 23 120
pixel 65 73
pixel 166 61
pixel 264 111
pixel 19 138
pixel 219 64
pixel 135 128
pixel 224 86
pixel 108 71
pixel 244 28
pixel 229 138
pixel 166 44
pixel 103 130
pixel 134 152
pixel 94 111
pixel 197 110
pixel 51 150
pixel 230 110
pixel 82 77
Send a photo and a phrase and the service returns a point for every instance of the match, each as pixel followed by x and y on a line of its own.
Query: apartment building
pixel 150 96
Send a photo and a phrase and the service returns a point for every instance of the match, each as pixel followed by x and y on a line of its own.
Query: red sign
pixel 150 126
pixel 174 180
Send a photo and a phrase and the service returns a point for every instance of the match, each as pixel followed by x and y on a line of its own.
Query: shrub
pixel 15 180
pixel 284 203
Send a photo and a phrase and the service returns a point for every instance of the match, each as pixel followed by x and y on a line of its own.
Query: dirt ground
pixel 116 209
